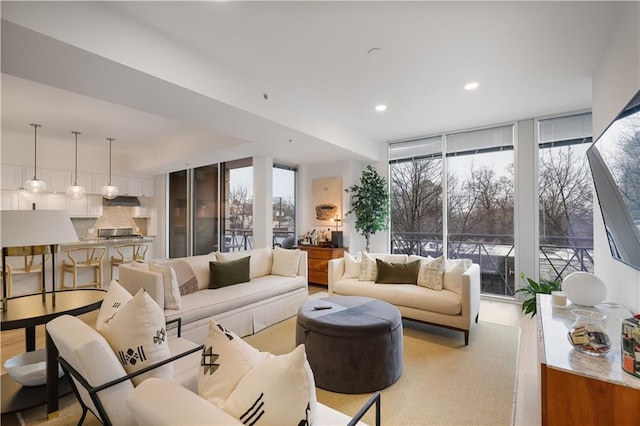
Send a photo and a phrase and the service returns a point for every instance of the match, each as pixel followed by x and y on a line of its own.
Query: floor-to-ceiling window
pixel 565 196
pixel 178 214
pixel 237 193
pixel 284 205
pixel 415 180
pixel 205 209
pixel 480 196
pixel 465 204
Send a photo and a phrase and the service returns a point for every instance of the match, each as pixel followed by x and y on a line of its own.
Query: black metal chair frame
pixel 93 390
pixel 374 400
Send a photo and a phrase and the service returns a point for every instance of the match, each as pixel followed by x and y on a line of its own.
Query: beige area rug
pixel 443 382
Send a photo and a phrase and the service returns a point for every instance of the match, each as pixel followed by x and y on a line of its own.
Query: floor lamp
pixel 34 232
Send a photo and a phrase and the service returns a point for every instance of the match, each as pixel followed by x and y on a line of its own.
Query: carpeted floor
pixel 443 382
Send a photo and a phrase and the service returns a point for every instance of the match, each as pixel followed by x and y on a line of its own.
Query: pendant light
pixel 35 185
pixel 109 191
pixel 75 191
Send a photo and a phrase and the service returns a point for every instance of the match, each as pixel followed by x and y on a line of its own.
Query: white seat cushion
pixel 409 295
pixel 208 303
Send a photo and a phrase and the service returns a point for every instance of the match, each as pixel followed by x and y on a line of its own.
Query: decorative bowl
pixel 30 368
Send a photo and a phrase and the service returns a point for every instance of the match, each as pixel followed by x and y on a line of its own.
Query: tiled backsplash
pixel 112 217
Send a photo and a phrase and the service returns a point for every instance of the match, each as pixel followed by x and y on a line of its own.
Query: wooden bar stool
pixel 80 259
pixel 138 253
pixel 31 265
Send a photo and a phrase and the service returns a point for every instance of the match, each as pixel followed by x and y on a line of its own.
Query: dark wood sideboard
pixel 318 260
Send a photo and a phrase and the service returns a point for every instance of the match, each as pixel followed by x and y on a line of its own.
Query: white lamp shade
pixel 35 186
pixel 75 192
pixel 23 228
pixel 109 192
pixel 584 288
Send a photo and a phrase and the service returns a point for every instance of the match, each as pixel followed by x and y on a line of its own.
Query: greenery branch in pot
pixel 370 203
pixel 532 289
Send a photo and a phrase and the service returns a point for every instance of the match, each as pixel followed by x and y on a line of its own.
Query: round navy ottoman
pixel 353 347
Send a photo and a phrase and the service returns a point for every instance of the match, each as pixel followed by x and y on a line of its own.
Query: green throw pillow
pixel 397 273
pixel 222 274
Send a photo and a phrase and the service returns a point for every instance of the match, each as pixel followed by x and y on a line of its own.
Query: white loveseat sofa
pixel 456 306
pixel 244 308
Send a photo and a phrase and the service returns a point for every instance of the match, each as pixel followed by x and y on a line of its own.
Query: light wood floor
pixel 527 403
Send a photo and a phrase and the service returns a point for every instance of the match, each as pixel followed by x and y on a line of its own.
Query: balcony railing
pixel 495 255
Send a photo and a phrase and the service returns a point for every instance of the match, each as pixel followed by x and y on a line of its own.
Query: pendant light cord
pixel 110 140
pixel 75 180
pixel 35 150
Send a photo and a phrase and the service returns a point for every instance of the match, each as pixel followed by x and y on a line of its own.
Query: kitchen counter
pixel 109 242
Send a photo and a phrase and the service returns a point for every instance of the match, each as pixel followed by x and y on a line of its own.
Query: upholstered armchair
pixel 103 387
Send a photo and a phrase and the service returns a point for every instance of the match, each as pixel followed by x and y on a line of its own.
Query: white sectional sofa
pixel 244 308
pixel 456 306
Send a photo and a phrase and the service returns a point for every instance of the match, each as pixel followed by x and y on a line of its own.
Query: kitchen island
pixel 29 283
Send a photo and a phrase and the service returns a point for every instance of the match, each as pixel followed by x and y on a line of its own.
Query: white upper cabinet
pixel 148 187
pixel 56 180
pixel 11 177
pixel 134 186
pixel 85 180
pixel 100 180
pixel 26 201
pixel 55 201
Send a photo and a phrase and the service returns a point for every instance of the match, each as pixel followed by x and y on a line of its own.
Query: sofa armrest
pixel 303 266
pixel 163 402
pixel 470 283
pixel 133 279
pixel 335 271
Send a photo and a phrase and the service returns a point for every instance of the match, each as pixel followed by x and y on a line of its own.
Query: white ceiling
pixel 530 59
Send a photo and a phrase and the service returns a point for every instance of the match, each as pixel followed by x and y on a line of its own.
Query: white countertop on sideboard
pixel 556 351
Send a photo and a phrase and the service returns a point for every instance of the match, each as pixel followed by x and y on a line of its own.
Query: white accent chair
pixel 103 387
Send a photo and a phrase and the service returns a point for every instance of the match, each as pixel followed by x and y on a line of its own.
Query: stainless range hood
pixel 121 201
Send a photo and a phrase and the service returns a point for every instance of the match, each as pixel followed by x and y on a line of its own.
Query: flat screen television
pixel 614 159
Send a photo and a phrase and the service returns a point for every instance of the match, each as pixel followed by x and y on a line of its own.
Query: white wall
pixel 616 80
pixel 349 171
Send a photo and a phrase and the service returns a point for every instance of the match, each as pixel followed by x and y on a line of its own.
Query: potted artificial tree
pixel 370 203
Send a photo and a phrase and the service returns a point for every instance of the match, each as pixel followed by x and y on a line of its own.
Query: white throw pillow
pixel 116 297
pixel 285 262
pixel 259 264
pixel 368 268
pixel 137 333
pixel 172 298
pixel 225 359
pixel 455 269
pixel 395 258
pixel 421 258
pixel 431 272
pixel 279 391
pixel 352 266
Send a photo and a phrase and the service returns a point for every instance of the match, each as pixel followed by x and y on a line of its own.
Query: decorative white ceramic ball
pixel 584 288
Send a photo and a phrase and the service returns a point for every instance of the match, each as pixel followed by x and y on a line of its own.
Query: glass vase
pixel 587 334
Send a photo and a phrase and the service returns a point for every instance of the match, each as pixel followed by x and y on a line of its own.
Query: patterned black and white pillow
pixel 280 390
pixel 116 297
pixel 137 333
pixel 225 359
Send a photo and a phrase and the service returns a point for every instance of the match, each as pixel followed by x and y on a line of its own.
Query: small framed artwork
pixel 327 200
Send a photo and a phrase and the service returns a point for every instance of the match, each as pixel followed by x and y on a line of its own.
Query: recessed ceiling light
pixel 471 86
pixel 381 108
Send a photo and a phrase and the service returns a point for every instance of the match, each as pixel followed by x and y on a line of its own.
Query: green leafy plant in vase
pixel 532 289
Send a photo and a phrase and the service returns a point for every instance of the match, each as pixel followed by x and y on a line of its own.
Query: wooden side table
pixel 318 258
pixel 28 312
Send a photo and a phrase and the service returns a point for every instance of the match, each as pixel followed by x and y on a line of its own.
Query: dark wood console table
pixel 27 312
pixel 318 261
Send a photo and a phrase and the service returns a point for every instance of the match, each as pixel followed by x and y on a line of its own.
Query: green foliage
pixel 370 203
pixel 532 289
